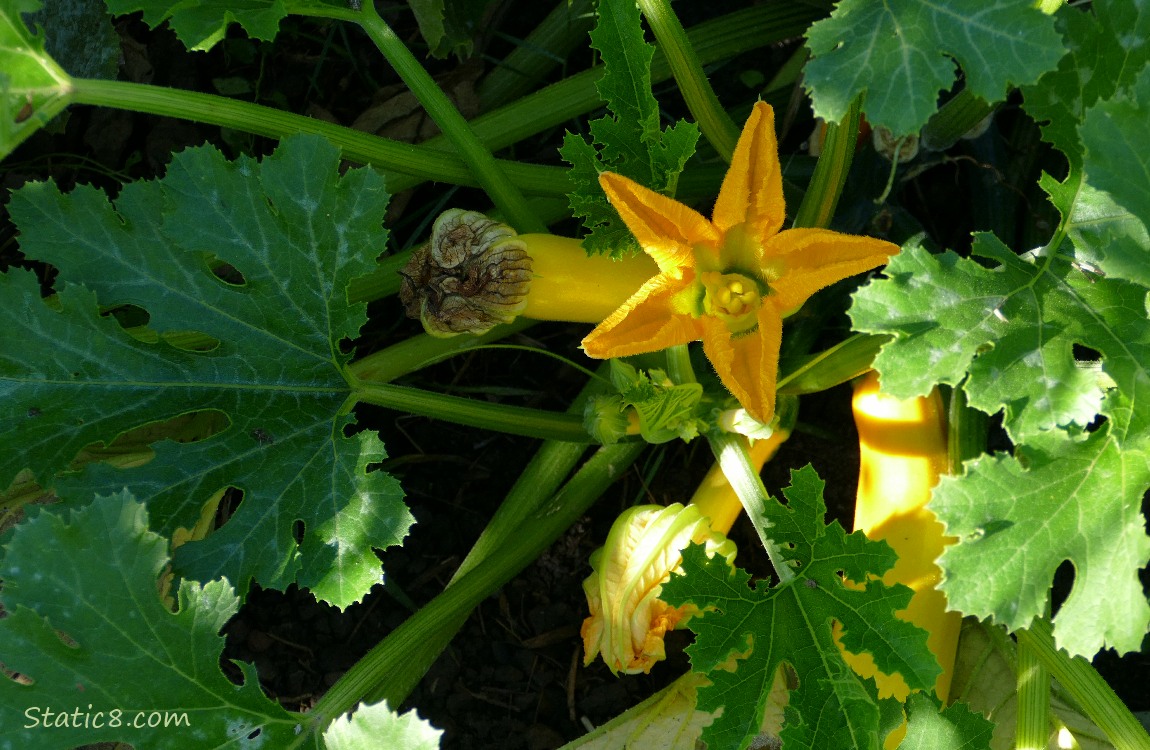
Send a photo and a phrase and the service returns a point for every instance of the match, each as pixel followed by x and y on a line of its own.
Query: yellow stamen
pixel 733 298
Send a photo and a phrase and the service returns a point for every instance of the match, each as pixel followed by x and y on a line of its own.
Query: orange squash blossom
pixel 730 280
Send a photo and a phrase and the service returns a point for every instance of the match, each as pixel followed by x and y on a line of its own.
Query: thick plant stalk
pixel 492 178
pixel 389 671
pixel 902 454
pixel 718 128
pixel 1086 686
pixel 1032 729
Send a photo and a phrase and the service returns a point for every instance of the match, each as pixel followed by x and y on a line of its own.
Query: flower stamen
pixel 733 298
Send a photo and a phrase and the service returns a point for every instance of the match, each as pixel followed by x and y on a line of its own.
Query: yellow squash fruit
pixel 902 454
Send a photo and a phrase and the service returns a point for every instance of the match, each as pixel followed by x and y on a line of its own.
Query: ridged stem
pixel 491 176
pixel 391 669
pixel 421 350
pixel 415 164
pixel 1032 727
pixel 514 420
pixel 822 196
pixel 713 41
pixel 732 453
pixel 1087 687
pixel 714 122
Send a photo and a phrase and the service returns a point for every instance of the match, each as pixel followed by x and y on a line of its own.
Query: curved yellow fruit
pixel 570 285
pixel 902 454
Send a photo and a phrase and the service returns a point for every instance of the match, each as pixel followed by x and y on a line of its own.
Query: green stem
pixel 391 669
pixel 1087 687
pixel 679 367
pixel 514 420
pixel 492 178
pixel 717 126
pixel 714 41
pixel 545 472
pixel 415 164
pixel 814 373
pixel 540 480
pixel 818 206
pixel 1032 726
pixel 731 452
pixel 422 350
pixel 409 165
pixel 966 431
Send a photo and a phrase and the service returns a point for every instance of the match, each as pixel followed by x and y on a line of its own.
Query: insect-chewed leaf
pixel 256 257
pixel 757 629
pixel 99 656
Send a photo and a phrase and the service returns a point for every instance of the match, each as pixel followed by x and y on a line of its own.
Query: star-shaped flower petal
pixel 728 281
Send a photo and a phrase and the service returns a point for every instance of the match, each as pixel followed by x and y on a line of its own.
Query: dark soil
pixel 513 677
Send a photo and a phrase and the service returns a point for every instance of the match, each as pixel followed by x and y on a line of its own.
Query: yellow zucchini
pixel 902 454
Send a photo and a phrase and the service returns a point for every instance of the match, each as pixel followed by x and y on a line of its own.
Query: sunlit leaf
pixel 755 630
pixel 902 53
pixel 256 257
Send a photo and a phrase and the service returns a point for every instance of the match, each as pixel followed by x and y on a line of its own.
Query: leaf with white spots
pixel 255 259
pixel 1017 520
pixel 1008 334
pixel 902 53
pixel 99 656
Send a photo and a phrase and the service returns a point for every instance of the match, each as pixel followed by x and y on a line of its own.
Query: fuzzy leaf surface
pixel 902 54
pixel 629 141
pixel 765 626
pixel 92 575
pixel 1013 328
pixel 296 233
pixel 1018 519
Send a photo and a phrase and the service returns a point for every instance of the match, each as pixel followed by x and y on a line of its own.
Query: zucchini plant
pixel 194 365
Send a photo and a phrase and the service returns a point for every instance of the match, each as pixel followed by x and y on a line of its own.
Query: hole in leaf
pixel 1063 583
pixel 226 272
pixel 129 316
pixel 1086 354
pixel 133 448
pixel 135 322
pixel 17 677
pixel 297 531
pixel 67 640
pixel 232 499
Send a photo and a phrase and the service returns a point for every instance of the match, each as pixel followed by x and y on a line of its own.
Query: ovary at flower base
pixel 728 281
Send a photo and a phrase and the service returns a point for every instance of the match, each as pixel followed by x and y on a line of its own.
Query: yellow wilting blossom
pixel 731 280
pixel 628 619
